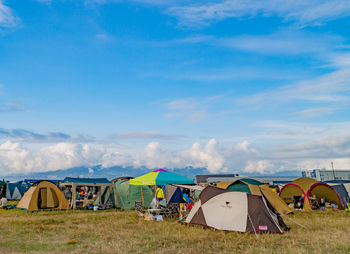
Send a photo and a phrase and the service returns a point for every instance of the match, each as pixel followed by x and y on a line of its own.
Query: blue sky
pixel 225 85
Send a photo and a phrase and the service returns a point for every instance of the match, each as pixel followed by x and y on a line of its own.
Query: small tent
pixel 233 211
pixel 255 187
pixel 309 188
pixel 15 191
pixel 342 187
pixel 43 195
pixel 173 194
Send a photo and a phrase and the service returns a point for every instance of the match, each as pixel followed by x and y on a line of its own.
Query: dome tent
pixel 309 187
pixel 43 195
pixel 233 211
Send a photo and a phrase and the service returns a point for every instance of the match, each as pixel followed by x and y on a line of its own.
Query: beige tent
pixel 43 195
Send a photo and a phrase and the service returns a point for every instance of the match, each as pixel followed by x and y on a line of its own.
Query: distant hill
pixel 117 171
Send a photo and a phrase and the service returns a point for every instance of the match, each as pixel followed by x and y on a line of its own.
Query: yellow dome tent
pixel 43 195
pixel 309 187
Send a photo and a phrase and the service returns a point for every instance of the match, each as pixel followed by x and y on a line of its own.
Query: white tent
pixel 233 211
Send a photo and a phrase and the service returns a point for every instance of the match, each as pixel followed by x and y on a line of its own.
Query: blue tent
pixel 15 191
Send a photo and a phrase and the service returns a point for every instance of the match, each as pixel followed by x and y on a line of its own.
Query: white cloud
pixel 314 112
pixel 15 158
pixel 258 166
pixel 312 12
pixel 235 157
pixel 7 18
pixel 287 42
pixel 206 157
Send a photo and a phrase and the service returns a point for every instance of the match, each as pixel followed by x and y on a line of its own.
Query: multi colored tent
pixel 43 195
pixel 255 187
pixel 233 211
pixel 15 191
pixel 160 177
pixel 309 188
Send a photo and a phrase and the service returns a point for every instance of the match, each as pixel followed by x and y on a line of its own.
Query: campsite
pixel 126 215
pixel 175 126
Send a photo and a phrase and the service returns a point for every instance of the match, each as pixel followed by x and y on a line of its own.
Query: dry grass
pixel 117 231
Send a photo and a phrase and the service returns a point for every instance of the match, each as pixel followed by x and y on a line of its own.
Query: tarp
pixel 160 177
pixel 190 187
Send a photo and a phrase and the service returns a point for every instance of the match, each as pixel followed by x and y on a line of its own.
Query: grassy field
pixel 116 231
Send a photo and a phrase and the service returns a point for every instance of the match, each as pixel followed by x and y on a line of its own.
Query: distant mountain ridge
pixel 117 171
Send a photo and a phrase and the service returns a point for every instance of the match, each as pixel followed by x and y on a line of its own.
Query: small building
pixel 327 175
pixel 206 179
pixel 95 186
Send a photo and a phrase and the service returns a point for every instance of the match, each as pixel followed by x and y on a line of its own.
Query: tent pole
pixel 293 221
pixel 253 226
pixel 143 201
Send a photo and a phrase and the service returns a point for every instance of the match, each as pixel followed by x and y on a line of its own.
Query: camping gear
pixel 15 191
pixel 160 177
pixel 73 183
pixel 307 190
pixel 43 195
pixel 255 187
pixel 233 211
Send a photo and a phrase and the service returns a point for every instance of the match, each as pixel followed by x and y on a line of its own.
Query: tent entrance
pixel 47 198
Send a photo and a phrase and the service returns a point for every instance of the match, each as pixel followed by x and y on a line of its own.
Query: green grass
pixel 116 231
